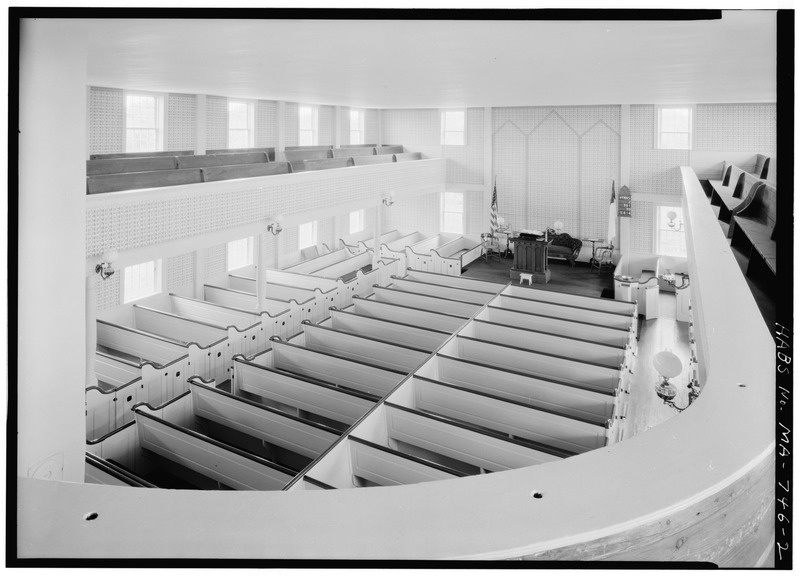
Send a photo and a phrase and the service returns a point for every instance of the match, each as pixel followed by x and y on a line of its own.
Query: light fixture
pixel 558 226
pixel 104 268
pixel 275 226
pixel 668 365
pixel 671 215
pixel 388 200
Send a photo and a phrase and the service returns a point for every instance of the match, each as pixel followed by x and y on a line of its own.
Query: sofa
pixel 563 246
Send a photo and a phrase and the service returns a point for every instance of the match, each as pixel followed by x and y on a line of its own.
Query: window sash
pixel 669 242
pixel 356 127
pixel 356 221
pixel 141 280
pixel 674 129
pixel 307 235
pixel 240 253
pixel 452 212
pixel 144 122
pixel 453 127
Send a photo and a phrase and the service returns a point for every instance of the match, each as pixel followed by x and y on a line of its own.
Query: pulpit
pixel 530 256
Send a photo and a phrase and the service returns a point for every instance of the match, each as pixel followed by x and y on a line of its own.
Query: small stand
pixel 530 255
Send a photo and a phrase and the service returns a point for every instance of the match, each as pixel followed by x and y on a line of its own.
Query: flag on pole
pixel 493 210
pixel 612 217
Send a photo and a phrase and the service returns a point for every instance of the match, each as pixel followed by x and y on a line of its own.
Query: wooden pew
pixel 304 395
pixel 246 332
pixel 753 230
pixel 353 151
pixel 140 154
pixel 618 337
pixel 585 351
pixel 109 404
pixel 762 167
pixel 453 257
pixel 565 311
pixel 326 163
pixel 595 406
pixel 363 377
pixel 101 471
pixel 332 292
pixel 165 365
pixel 375 351
pixel 431 319
pixel 369 243
pixel 357 273
pixel 137 164
pixel 120 445
pixel 419 255
pixel 140 180
pixel 209 350
pixel 355 243
pixel 440 291
pixel 280 318
pixel 565 370
pixel 454 281
pixel 567 435
pixel 401 333
pixel 575 300
pixel 366 160
pixel 311 265
pixel 225 464
pixel 382 466
pixel 216 173
pixel 268 150
pixel 232 159
pixel 407 156
pixel 295 434
pixel 390 150
pixel 304 304
pixel 437 304
pixel 397 248
pixel 477 447
pixel 297 157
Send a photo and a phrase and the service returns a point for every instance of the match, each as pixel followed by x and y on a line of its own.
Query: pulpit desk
pixel 530 255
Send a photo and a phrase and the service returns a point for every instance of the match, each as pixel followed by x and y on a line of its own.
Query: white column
pixel 624 224
pixel 280 126
pixel 51 332
pixel 199 273
pixel 377 234
pixel 488 176
pixel 337 139
pixel 259 259
pixel 91 328
pixel 201 125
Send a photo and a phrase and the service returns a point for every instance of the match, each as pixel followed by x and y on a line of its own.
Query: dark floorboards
pixel 578 279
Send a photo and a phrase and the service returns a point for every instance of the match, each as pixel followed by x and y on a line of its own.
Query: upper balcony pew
pixel 389 150
pixel 232 172
pixel 297 157
pixel 353 151
pixel 753 229
pixel 231 159
pixel 269 150
pixel 378 159
pixel 407 156
pixel 326 163
pixel 136 164
pixel 140 180
pixel 140 154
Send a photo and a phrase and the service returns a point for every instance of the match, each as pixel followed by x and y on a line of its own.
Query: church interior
pixel 390 288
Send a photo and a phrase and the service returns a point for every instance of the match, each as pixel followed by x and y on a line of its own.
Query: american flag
pixel 612 217
pixel 493 211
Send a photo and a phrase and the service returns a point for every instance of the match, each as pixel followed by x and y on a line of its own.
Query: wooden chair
pixel 602 258
pixel 491 244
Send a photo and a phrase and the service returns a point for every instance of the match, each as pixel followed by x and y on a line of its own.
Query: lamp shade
pixel 558 225
pixel 667 364
pixel 671 215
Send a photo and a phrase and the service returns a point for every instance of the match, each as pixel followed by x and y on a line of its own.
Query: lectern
pixel 530 255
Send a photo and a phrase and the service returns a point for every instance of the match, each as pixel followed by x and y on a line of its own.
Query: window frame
pixel 360 128
pixel 443 131
pixel 314 130
pixel 251 122
pixel 658 130
pixel 444 210
pixel 158 280
pixel 160 119
pixel 248 249
pixel 359 217
pixel 314 237
pixel 665 208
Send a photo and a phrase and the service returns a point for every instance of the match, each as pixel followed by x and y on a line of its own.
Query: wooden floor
pixel 646 410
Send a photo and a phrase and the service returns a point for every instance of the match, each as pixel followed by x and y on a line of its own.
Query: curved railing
pixel 698 487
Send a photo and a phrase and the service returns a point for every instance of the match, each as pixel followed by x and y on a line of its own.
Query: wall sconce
pixel 671 215
pixel 668 365
pixel 388 200
pixel 104 268
pixel 275 226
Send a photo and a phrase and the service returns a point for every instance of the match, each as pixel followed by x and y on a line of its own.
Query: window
pixel 356 221
pixel 141 280
pixel 240 253
pixel 308 119
pixel 241 124
pixel 144 122
pixel 671 238
pixel 356 126
pixel 453 212
pixel 307 235
pixel 674 127
pixel 453 127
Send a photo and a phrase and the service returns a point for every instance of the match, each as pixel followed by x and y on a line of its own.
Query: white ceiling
pixel 443 63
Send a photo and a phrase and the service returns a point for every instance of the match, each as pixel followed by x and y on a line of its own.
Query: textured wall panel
pixel 215 260
pixel 476 220
pixel 181 121
pixel 642 226
pixel 327 125
pixel 600 167
pixel 109 291
pixel 465 163
pixel 216 122
pixel 106 121
pixel 344 126
pixel 418 214
pixel 371 127
pixel 739 127
pixel 179 271
pixel 511 171
pixel 412 128
pixel 266 123
pixel 135 224
pixel 291 124
pixel 652 171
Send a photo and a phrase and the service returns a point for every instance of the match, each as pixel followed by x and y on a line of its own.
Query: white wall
pixel 52 267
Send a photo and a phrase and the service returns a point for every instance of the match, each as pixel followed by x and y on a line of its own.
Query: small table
pixel 593 241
